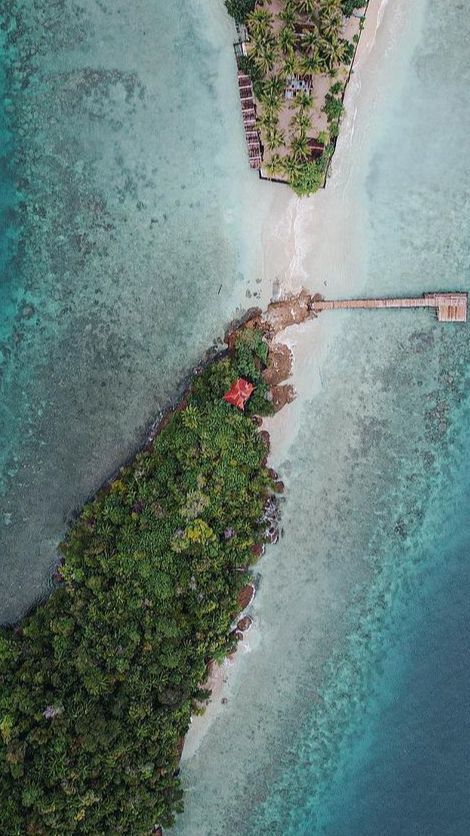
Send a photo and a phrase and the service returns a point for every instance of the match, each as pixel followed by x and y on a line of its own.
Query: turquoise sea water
pixel 350 714
pixel 383 749
pixel 137 239
pixel 349 717
pixel 404 767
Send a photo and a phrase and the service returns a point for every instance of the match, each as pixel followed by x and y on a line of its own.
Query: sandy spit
pixel 295 231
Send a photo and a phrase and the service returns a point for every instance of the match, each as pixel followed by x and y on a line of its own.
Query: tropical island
pixel 98 684
pixel 294 60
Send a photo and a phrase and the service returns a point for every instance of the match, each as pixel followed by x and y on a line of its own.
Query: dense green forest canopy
pixel 98 684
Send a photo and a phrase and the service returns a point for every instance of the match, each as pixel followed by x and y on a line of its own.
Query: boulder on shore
pixel 264 435
pixel 245 623
pixel 290 311
pixel 282 395
pixel 280 361
pixel 246 595
pixel 257 550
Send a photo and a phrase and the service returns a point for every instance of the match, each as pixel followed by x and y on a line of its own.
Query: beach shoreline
pixel 118 515
pixel 289 228
pixel 279 671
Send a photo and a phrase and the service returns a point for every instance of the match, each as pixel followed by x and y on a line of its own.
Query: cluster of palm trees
pixel 272 99
pixel 308 42
pixel 299 125
pixel 292 164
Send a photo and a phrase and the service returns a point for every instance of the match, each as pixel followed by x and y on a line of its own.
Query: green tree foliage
pixel 350 6
pixel 240 9
pixel 334 110
pixel 309 177
pixel 303 37
pixel 333 107
pixel 97 685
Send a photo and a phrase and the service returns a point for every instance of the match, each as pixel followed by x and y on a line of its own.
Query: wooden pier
pixel 450 307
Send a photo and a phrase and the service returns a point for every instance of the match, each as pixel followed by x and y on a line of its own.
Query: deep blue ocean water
pixel 404 766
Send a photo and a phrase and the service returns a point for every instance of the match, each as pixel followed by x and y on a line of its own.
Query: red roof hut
pixel 239 393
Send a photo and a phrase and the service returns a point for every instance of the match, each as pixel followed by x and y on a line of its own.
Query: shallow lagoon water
pixel 138 226
pixel 329 726
pixel 125 301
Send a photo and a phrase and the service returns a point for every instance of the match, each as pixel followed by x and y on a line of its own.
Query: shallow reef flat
pixel 135 247
pixel 378 437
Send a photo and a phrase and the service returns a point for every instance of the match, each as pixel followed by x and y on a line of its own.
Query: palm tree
pixel 274 86
pixel 331 22
pixel 259 21
pixel 274 138
pixel 332 51
pixel 310 42
pixel 258 38
pixel 299 147
pixel 268 121
pixel 265 58
pixel 309 64
pixel 304 101
pixel 293 167
pixel 301 121
pixel 307 7
pixel 290 67
pixel 287 39
pixel 257 42
pixel 272 93
pixel 273 108
pixel 275 165
pixel 330 5
pixel 289 13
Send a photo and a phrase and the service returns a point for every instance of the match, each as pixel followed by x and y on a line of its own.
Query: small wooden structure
pixel 298 84
pixel 247 100
pixel 450 307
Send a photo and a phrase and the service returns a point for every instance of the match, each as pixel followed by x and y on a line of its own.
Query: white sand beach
pixel 305 583
pixel 297 234
pixel 145 234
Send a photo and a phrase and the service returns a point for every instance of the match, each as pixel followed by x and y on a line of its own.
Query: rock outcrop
pixel 282 395
pixel 290 311
pixel 246 595
pixel 279 364
pixel 244 623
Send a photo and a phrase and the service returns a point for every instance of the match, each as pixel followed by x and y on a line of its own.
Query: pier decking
pixel 450 307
